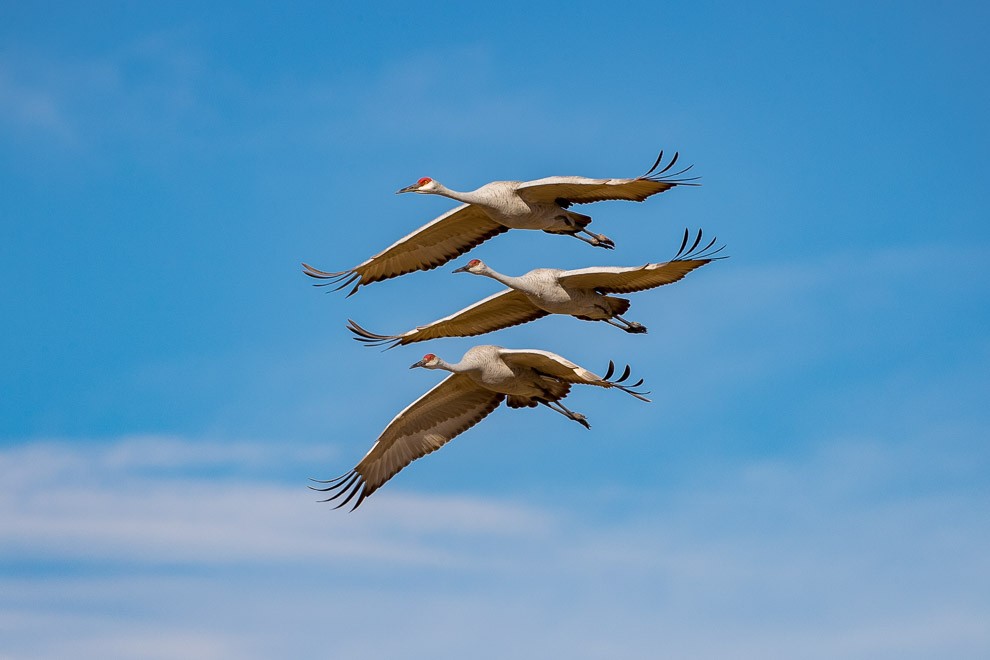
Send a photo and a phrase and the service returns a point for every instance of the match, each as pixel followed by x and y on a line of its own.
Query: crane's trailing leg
pixel 635 328
pixel 569 414
pixel 600 240
pixel 630 326
pixel 596 240
pixel 619 326
pixel 579 223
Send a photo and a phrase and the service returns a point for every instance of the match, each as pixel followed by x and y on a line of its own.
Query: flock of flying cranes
pixel 488 375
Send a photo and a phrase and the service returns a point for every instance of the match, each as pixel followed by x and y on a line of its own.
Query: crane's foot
pixel 580 419
pixel 630 326
pixel 605 240
pixel 627 326
pixel 595 241
pixel 569 414
pixel 598 240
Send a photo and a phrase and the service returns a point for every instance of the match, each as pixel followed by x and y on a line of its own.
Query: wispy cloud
pixel 150 87
pixel 820 555
pixel 161 92
pixel 27 107
pixel 142 498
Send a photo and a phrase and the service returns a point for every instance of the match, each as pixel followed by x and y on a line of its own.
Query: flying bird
pixel 582 293
pixel 485 376
pixel 495 208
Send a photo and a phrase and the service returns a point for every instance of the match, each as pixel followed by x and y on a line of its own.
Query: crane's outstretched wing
pixel 430 422
pixel 567 190
pixel 551 364
pixel 607 279
pixel 501 310
pixel 432 245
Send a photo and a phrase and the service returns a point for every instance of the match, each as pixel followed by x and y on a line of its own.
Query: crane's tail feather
pixel 666 176
pixel 705 253
pixel 341 279
pixel 369 338
pixel 351 484
pixel 619 383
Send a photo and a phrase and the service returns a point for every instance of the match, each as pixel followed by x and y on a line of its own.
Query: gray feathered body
pixel 484 365
pixel 543 288
pixel 503 204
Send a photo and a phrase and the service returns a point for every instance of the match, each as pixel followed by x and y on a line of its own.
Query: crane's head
pixel 429 361
pixel 425 186
pixel 476 266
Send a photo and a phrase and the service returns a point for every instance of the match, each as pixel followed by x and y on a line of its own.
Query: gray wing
pixel 607 279
pixel 430 422
pixel 566 190
pixel 551 364
pixel 434 244
pixel 501 310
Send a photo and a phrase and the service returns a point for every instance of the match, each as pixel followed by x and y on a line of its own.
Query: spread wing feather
pixel 551 364
pixel 501 310
pixel 434 244
pixel 567 190
pixel 606 279
pixel 430 422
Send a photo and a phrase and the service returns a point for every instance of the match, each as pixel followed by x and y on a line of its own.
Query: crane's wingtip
pixel 665 175
pixel 708 253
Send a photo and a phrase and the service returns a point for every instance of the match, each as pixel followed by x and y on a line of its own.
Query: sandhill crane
pixel 581 293
pixel 485 376
pixel 497 207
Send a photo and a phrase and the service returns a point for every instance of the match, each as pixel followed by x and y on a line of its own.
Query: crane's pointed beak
pixel 411 188
pixel 418 364
pixel 462 269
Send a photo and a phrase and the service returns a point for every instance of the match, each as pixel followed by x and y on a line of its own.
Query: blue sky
pixel 810 481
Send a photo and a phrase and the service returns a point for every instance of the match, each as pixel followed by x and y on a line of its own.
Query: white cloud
pixel 835 554
pixel 128 502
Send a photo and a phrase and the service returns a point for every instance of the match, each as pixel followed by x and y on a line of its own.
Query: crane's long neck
pixel 466 197
pixel 456 368
pixel 518 283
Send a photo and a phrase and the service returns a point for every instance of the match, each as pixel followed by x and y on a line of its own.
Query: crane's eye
pixel 422 182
